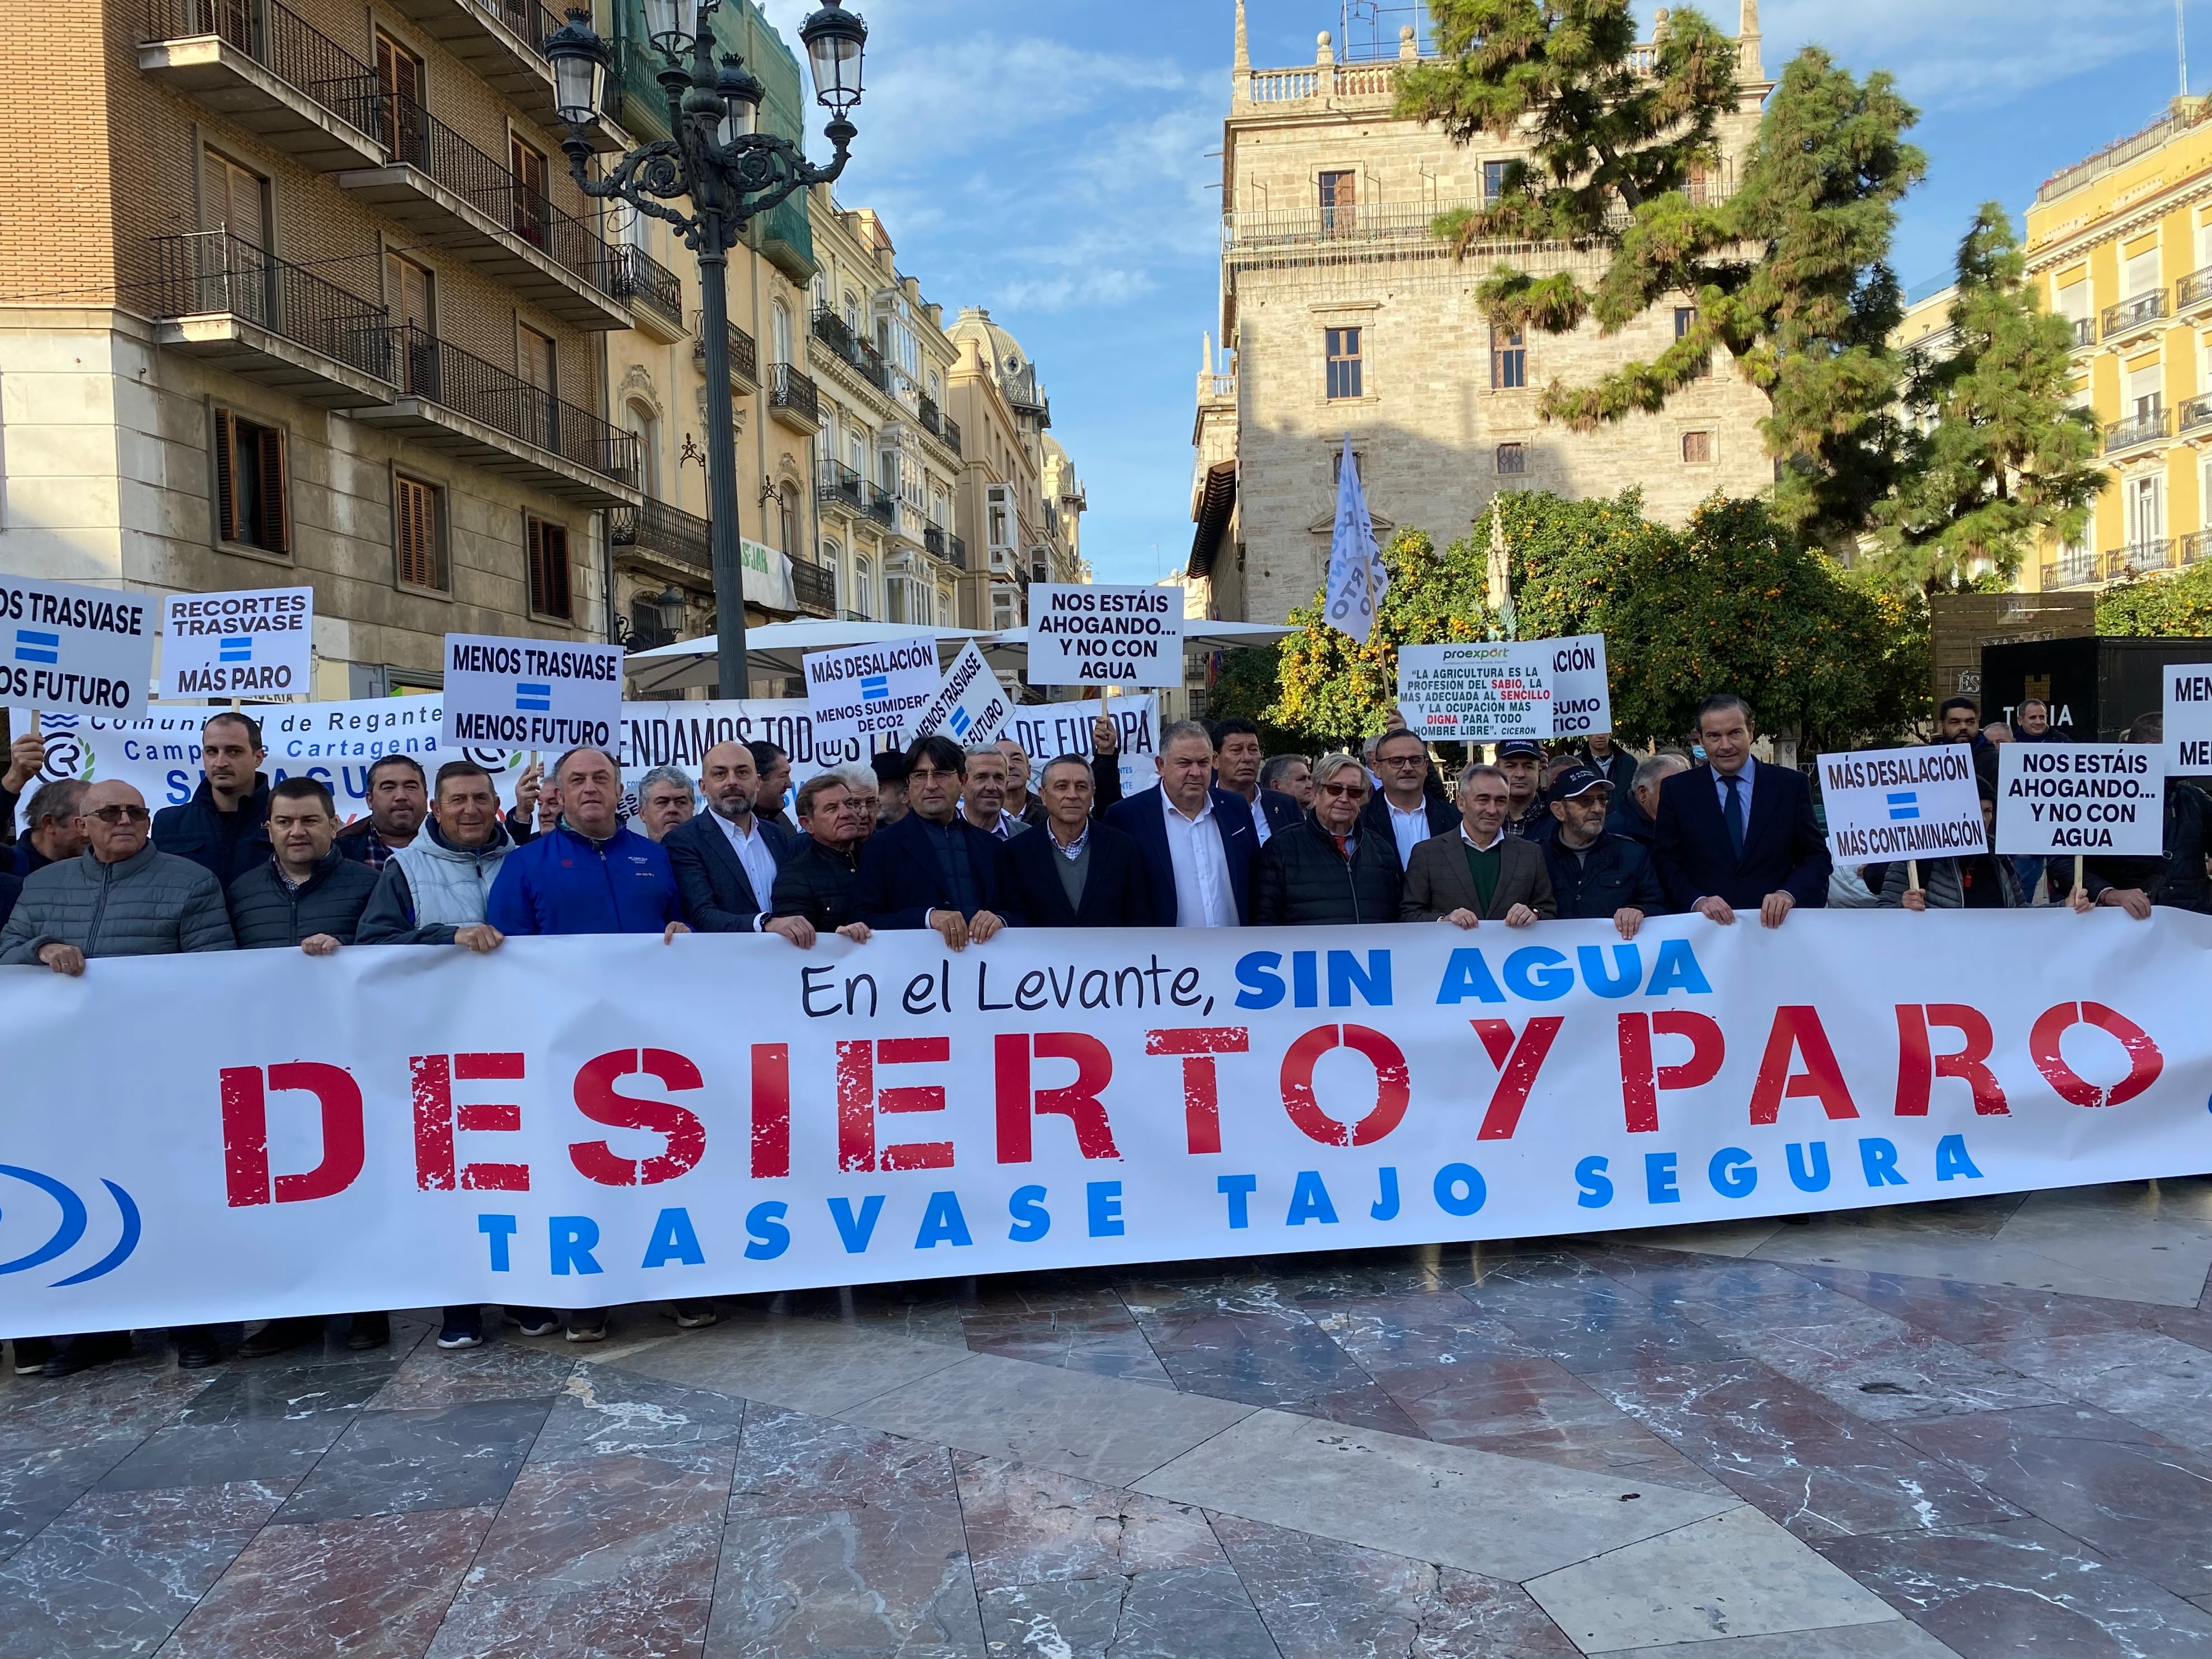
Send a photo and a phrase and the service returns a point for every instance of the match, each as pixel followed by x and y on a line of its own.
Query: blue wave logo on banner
pixel 75 1218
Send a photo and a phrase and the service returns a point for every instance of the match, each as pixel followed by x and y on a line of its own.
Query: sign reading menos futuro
pixel 2107 797
pixel 1891 804
pixel 868 690
pixel 83 650
pixel 253 643
pixel 1084 634
pixel 970 707
pixel 2189 718
pixel 532 694
pixel 1479 693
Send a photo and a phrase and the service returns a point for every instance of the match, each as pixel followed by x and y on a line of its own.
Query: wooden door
pixel 231 271
pixel 530 203
pixel 400 106
pixel 534 364
pixel 409 295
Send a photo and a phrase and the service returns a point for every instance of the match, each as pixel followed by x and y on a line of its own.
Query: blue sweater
pixel 565 883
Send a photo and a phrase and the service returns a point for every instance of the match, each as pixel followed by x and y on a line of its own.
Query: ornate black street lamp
pixel 732 173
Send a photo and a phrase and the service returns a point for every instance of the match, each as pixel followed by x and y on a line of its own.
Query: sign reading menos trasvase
pixel 253 643
pixel 865 690
pixel 83 650
pixel 532 694
pixel 970 707
pixel 2189 718
pixel 1081 633
pixel 1891 804
pixel 2096 798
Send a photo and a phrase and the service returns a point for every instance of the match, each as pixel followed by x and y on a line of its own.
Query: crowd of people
pixel 964 842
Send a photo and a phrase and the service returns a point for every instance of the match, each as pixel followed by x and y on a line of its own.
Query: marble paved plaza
pixel 1981 1428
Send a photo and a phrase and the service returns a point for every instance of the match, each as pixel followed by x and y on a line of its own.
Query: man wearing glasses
pixel 119 897
pixel 932 868
pixel 1402 813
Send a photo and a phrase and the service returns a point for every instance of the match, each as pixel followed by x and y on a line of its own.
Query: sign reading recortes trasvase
pixel 1884 805
pixel 76 650
pixel 253 643
pixel 865 690
pixel 532 694
pixel 2081 797
pixel 1084 634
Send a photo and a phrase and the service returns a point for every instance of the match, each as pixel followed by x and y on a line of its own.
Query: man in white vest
pixel 433 889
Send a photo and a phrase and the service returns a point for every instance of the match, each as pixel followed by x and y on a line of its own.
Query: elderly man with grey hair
pixel 1633 812
pixel 664 799
pixel 867 795
pixel 814 882
pixel 54 834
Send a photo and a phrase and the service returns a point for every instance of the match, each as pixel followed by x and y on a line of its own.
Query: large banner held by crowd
pixel 574 1122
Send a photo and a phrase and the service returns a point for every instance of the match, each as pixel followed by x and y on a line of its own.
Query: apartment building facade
pixel 1341 314
pixel 2120 244
pixel 299 292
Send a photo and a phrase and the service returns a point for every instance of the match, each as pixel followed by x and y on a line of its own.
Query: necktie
pixel 1732 814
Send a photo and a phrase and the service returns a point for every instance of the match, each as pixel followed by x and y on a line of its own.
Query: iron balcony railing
pixel 2194 289
pixel 933 539
pixel 832 331
pixel 745 356
pixel 2075 568
pixel 790 387
pixel 2191 548
pixel 213 271
pixel 643 279
pixel 533 21
pixel 2134 314
pixel 430 367
pixel 2195 414
pixel 815 587
pixel 927 411
pixel 2139 557
pixel 836 482
pixel 2085 332
pixel 951 434
pixel 2143 428
pixel 956 551
pixel 282 42
pixel 879 504
pixel 670 531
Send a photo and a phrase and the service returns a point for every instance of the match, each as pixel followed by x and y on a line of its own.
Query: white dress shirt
pixel 758 858
pixel 1203 897
pixel 1260 827
pixel 1410 829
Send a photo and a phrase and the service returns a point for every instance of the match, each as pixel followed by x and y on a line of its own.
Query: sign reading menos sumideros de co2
pixel 77 650
pixel 249 644
pixel 865 690
pixel 532 694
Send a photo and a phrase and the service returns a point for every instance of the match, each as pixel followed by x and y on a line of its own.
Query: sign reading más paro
pixel 532 694
pixel 78 650
pixel 254 643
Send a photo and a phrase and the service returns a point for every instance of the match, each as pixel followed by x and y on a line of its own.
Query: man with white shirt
pixel 1403 807
pixel 1236 763
pixel 1199 842
pixel 727 858
pixel 983 780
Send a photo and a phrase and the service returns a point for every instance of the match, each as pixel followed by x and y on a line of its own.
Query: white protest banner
pixel 1582 694
pixel 253 643
pixel 2189 718
pixel 577 1122
pixel 1479 693
pixel 1890 804
pixel 864 691
pixel 532 694
pixel 335 742
pixel 1084 634
pixel 971 706
pixel 1048 730
pixel 2081 797
pixel 680 733
pixel 75 650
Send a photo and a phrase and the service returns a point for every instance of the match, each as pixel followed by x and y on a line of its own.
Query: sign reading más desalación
pixel 532 694
pixel 253 643
pixel 1889 804
pixel 867 690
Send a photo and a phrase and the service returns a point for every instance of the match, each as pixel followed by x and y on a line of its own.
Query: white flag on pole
pixel 1357 580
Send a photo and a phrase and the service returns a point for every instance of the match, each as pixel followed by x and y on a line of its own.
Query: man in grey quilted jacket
pixel 119 897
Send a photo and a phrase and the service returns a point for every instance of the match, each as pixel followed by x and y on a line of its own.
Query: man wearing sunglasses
pixel 119 897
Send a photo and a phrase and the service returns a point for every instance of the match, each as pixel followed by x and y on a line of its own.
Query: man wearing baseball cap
pixel 1596 875
pixel 1522 760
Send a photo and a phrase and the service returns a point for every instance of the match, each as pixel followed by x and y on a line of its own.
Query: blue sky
pixel 1049 161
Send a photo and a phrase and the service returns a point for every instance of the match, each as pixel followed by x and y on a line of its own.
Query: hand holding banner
pixel 253 643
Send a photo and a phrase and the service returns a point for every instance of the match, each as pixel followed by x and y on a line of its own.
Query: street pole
pixel 732 678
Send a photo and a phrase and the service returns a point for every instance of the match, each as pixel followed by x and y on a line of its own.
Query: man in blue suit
pixel 1078 873
pixel 1197 841
pixel 932 868
pixel 1736 835
pixel 726 858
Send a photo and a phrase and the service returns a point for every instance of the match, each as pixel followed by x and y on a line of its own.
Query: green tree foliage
pixel 1993 453
pixel 1731 602
pixel 2173 607
pixel 1790 274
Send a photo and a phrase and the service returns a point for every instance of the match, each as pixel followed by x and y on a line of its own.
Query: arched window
pixel 786 520
pixel 864 587
pixel 782 335
pixel 639 418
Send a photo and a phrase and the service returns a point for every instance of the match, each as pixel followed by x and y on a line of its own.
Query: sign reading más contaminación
pixel 253 643
pixel 532 694
pixel 1891 804
pixel 83 650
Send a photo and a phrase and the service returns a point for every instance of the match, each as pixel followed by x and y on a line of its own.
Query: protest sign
pixel 253 643
pixel 1890 804
pixel 532 694
pixel 2081 797
pixel 1081 633
pixel 1479 693
pixel 2189 718
pixel 864 691
pixel 334 742
pixel 1046 731
pixel 77 650
pixel 680 733
pixel 971 706
pixel 1582 694
pixel 580 1121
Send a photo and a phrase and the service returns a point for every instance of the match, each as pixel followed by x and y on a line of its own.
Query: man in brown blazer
pixel 1477 873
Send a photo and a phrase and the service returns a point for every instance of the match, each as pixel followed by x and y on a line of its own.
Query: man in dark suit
pixel 726 859
pixel 1072 873
pixel 1199 842
pixel 1402 813
pixel 932 868
pixel 1475 872
pixel 1736 835
pixel 1236 762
